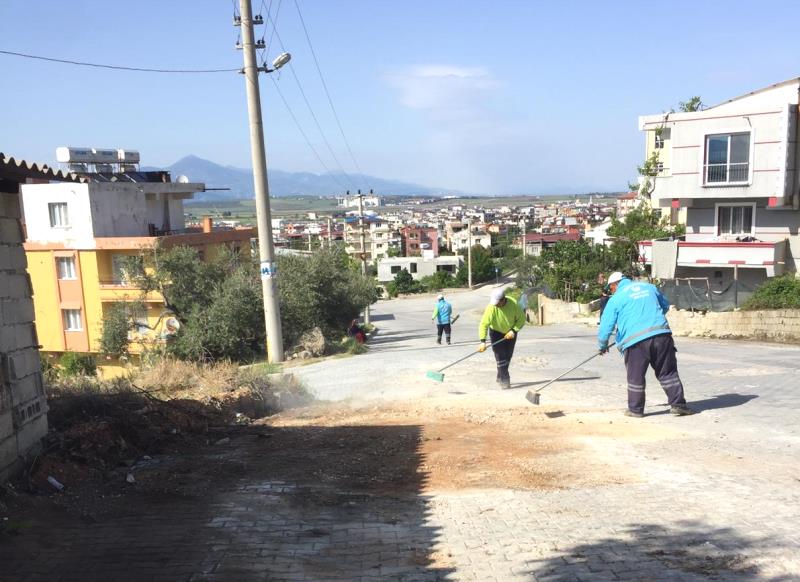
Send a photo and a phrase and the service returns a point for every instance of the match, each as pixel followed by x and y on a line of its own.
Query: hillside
pixel 240 182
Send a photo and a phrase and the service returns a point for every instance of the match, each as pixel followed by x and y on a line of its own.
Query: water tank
pixel 69 155
pixel 128 156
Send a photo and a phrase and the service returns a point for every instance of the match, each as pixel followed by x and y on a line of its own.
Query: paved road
pixel 716 495
pixel 724 492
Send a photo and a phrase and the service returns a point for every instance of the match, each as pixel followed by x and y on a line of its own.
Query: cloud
pixel 444 91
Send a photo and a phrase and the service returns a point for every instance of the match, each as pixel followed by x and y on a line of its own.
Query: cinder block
pixel 8 456
pixel 9 205
pixel 16 337
pixel 27 388
pixel 10 231
pixel 6 424
pixel 24 363
pixel 15 285
pixel 17 258
pixel 30 435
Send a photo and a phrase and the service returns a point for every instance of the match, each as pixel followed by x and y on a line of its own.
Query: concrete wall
pixel 23 408
pixel 36 198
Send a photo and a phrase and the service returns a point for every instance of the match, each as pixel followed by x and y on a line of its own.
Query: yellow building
pixel 78 237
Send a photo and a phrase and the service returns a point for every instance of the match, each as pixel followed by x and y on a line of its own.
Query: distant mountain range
pixel 240 182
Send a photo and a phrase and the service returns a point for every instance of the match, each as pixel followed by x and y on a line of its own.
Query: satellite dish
pixel 183 179
pixel 172 325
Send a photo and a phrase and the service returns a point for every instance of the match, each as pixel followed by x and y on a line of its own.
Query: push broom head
pixel 438 376
pixel 532 397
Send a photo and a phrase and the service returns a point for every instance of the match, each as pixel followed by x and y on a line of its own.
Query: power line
pixel 308 104
pixel 303 133
pixel 327 93
pixel 115 67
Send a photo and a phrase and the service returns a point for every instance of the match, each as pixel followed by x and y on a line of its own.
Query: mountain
pixel 240 182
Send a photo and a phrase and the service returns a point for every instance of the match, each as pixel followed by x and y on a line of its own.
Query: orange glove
pixel 482 347
pixel 510 335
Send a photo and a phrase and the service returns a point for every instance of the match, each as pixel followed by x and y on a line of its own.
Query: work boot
pixel 505 384
pixel 634 414
pixel 439 342
pixel 682 410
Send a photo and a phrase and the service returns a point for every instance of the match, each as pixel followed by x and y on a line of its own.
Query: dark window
pixel 727 158
pixel 735 220
pixel 395 269
pixel 412 267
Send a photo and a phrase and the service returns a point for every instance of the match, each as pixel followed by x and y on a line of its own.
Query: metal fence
pixel 696 294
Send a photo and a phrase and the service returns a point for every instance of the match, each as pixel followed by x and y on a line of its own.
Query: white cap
pixel 496 296
pixel 615 277
pixel 440 296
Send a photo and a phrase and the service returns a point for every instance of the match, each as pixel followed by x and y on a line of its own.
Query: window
pixel 59 218
pixel 727 158
pixel 72 319
pixel 661 137
pixel 735 220
pixel 118 273
pixel 395 269
pixel 412 267
pixel 65 266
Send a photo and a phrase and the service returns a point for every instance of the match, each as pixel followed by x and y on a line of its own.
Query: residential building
pixel 380 239
pixel 419 267
pixel 417 239
pixel 462 239
pixel 370 200
pixel 730 173
pixel 536 242
pixel 598 234
pixel 79 239
pixel 627 202
pixel 23 404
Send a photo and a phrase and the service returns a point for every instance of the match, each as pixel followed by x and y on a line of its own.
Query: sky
pixel 497 97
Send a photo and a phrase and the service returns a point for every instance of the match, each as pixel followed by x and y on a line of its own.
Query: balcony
pixel 705 254
pixel 114 290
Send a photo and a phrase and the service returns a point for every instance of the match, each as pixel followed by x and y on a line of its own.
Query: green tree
pixel 693 104
pixel 641 223
pixel 483 267
pixel 114 339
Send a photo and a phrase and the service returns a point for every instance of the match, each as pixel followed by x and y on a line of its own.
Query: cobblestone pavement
pixel 718 497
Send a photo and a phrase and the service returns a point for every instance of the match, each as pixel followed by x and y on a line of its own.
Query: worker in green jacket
pixel 502 319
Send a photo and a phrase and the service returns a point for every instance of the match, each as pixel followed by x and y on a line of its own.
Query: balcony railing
pixel 727 173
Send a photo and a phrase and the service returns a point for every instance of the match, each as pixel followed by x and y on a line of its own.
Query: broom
pixel 533 395
pixel 439 377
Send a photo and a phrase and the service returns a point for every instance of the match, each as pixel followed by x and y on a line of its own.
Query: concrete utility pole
pixel 469 254
pixel 269 283
pixel 363 246
pixel 524 236
pixel 330 234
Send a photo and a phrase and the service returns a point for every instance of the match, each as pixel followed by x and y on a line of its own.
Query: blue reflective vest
pixel 637 310
pixel 442 312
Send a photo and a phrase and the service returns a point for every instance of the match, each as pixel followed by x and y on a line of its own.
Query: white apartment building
pixel 730 173
pixel 419 267
pixel 461 240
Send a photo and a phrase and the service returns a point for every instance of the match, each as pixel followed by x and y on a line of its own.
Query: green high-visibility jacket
pixel 502 319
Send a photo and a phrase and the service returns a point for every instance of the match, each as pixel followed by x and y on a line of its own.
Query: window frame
pixel 74 268
pixel 65 319
pixel 717 224
pixel 51 206
pixel 704 157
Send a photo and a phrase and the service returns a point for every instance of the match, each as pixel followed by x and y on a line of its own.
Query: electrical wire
pixel 303 133
pixel 327 93
pixel 311 109
pixel 115 67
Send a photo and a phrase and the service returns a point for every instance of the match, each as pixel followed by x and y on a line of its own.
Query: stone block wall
pixel 23 407
pixel 773 325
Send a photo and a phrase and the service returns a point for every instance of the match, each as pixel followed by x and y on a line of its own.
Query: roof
pixel 767 88
pixel 20 171
pixel 548 238
pixel 628 196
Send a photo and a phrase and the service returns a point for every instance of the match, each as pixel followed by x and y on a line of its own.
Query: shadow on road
pixel 274 503
pixel 691 550
pixel 722 401
pixel 382 317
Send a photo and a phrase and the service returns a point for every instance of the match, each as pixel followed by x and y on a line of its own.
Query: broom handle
pixel 611 345
pixel 469 355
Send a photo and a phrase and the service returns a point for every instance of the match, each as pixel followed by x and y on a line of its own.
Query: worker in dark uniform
pixel 637 310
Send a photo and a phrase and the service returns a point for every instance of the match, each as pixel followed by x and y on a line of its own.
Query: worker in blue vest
pixel 441 316
pixel 638 310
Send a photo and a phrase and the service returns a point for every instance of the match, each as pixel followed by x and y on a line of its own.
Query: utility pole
pixel 524 236
pixel 363 246
pixel 469 253
pixel 269 282
pixel 330 234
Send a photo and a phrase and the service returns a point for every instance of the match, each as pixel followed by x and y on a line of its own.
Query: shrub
pixel 403 283
pixel 438 281
pixel 73 364
pixel 776 293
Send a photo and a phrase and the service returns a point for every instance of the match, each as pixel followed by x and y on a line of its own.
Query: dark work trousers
pixel 442 327
pixel 502 354
pixel 657 352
